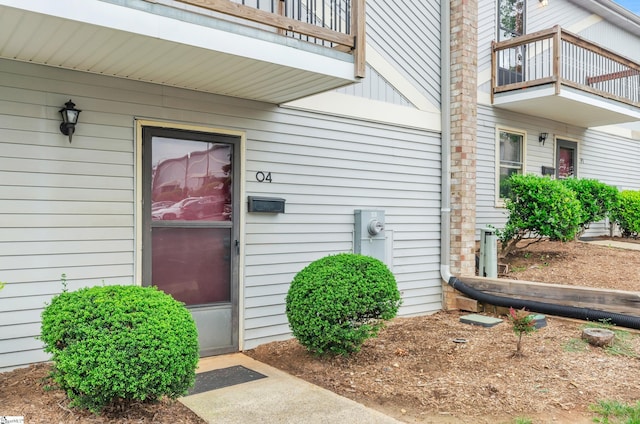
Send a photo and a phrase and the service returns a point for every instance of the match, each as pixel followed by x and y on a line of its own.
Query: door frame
pixel 568 143
pixel 241 206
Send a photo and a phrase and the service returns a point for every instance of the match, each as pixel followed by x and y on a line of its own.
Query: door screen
pixel 191 219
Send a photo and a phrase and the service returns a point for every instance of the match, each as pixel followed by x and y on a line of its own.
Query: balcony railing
pixel 558 57
pixel 338 24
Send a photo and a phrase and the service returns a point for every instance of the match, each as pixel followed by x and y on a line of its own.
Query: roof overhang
pixel 570 106
pixel 175 47
pixel 613 13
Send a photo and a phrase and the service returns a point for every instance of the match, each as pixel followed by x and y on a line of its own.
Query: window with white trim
pixel 511 159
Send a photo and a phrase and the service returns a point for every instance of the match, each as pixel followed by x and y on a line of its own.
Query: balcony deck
pixel 558 75
pixel 266 50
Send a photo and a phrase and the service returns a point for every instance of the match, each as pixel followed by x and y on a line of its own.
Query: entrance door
pixel 189 228
pixel 566 154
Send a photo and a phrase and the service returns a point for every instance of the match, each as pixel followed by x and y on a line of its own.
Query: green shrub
pixel 597 199
pixel 627 213
pixel 339 301
pixel 120 343
pixel 539 207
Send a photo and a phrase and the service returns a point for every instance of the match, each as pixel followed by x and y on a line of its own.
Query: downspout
pixel 445 116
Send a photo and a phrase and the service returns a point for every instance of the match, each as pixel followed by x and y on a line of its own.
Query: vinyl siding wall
pixel 615 38
pixel 70 208
pixel 376 87
pixel 326 170
pixel 407 34
pixel 602 156
pixel 609 158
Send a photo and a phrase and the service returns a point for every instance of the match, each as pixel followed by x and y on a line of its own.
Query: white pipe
pixel 445 79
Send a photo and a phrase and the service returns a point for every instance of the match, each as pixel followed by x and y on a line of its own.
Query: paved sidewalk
pixel 614 243
pixel 278 399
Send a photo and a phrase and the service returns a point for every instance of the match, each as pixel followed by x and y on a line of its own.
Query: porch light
pixel 542 138
pixel 544 2
pixel 69 119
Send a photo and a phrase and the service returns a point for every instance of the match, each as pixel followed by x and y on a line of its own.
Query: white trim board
pixel 338 104
pixel 398 81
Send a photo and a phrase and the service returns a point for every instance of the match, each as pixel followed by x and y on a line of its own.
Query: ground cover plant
pixel 621 345
pixel 612 412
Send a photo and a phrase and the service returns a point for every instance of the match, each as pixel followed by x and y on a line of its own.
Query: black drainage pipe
pixel 628 321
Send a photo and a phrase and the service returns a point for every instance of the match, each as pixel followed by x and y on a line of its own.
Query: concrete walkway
pixel 614 243
pixel 279 398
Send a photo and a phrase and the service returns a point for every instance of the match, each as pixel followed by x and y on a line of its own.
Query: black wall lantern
pixel 69 119
pixel 542 138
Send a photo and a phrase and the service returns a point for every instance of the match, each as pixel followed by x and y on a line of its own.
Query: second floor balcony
pixel 267 50
pixel 558 75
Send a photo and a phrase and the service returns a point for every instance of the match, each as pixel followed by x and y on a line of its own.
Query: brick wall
pixel 464 89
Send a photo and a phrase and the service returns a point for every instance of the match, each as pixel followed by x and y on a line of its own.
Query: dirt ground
pixel 25 392
pixel 434 369
pixel 416 372
pixel 577 264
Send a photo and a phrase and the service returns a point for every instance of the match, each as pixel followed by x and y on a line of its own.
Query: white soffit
pixel 103 38
pixel 570 106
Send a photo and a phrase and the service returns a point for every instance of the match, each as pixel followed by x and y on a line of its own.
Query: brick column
pixel 464 98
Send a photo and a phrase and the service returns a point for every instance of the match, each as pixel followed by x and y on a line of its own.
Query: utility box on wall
pixel 488 266
pixel 369 236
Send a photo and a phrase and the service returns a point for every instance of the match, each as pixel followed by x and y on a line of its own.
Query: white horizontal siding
pixel 407 34
pixel 55 286
pixel 64 208
pixel 69 208
pixel 325 169
pixel 487 32
pixel 27 316
pixel 26 343
pixel 22 357
pixel 559 12
pixel 20 330
pixel 608 158
pixel 613 37
pixel 375 87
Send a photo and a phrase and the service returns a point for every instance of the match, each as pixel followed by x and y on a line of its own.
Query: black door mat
pixel 223 377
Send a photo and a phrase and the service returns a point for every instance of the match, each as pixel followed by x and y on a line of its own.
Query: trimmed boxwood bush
pixel 339 301
pixel 627 213
pixel 120 343
pixel 539 207
pixel 597 200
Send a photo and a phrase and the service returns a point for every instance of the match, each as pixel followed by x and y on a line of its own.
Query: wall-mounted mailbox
pixel 547 170
pixel 266 204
